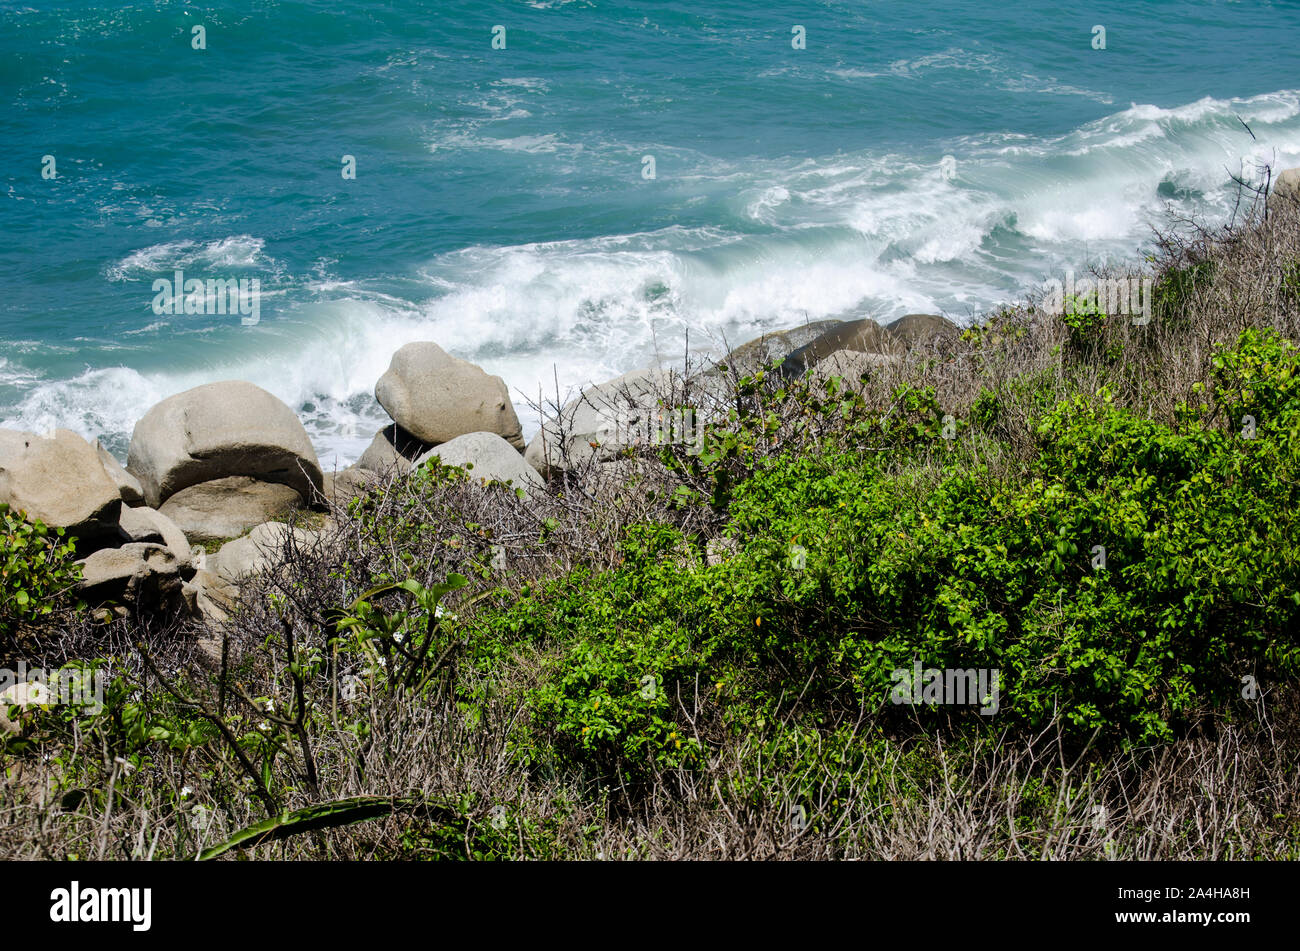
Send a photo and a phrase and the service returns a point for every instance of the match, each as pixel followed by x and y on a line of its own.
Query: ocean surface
pixel 501 204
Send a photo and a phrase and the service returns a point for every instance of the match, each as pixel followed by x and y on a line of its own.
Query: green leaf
pixel 327 815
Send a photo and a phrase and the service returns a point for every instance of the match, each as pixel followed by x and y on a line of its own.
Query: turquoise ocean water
pixel 500 205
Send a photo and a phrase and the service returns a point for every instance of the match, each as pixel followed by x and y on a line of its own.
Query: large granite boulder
pixel 226 508
pixel 1287 184
pixel 59 480
pixel 601 421
pixel 436 397
pixel 867 337
pixel 918 330
pixel 145 575
pixel 851 366
pixel 770 347
pixel 210 596
pixel 858 336
pixel 128 486
pixel 486 456
pixel 392 448
pixel 144 524
pixel 255 552
pixel 218 430
pixel 342 486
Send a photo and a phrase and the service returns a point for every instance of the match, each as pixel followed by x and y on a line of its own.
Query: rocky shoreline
pixel 213 471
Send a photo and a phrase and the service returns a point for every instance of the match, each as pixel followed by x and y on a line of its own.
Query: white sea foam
pixel 533 144
pixel 850 235
pixel 236 251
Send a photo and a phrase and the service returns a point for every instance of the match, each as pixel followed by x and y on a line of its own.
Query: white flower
pixel 185 791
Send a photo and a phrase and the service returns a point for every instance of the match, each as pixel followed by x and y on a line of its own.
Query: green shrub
pixel 1085 318
pixel 1126 581
pixel 37 572
pixel 1259 378
pixel 610 693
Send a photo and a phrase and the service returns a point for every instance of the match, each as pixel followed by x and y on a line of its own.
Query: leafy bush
pixel 37 572
pixel 611 697
pixel 1085 318
pixel 1128 582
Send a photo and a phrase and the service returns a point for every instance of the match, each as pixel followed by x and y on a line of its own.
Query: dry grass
pixel 1232 796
